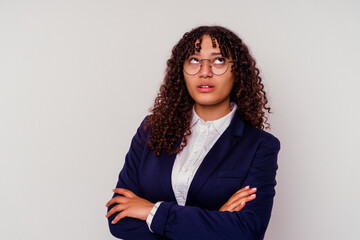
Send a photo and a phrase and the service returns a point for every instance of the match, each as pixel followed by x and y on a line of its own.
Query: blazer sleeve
pixel 131 228
pixel 190 222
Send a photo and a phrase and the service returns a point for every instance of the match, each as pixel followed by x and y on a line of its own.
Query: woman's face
pixel 206 88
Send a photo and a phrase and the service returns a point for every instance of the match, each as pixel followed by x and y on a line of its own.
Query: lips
pixel 205 87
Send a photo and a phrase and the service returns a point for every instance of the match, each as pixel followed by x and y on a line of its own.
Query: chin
pixel 208 102
pixel 205 102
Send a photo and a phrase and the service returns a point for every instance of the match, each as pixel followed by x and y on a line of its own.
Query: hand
pixel 128 205
pixel 237 201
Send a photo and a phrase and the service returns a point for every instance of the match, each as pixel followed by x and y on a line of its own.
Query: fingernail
pixel 252 195
pixel 112 222
pixel 247 187
pixel 254 188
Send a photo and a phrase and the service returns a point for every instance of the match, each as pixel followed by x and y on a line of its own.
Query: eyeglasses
pixel 218 65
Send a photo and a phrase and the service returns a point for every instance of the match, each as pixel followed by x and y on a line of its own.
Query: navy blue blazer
pixel 243 155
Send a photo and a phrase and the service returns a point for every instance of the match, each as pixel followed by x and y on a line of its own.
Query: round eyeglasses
pixel 218 65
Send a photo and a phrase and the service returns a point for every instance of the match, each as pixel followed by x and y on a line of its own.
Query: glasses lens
pixel 219 65
pixel 192 66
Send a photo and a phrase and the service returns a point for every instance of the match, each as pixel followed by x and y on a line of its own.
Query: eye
pixel 194 60
pixel 219 61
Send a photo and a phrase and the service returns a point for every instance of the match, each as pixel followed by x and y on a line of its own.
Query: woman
pixel 200 166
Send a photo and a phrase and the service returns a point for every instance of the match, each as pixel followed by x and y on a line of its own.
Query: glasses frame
pixel 206 59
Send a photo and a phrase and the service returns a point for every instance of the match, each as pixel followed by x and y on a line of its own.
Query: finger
pixel 118 199
pixel 239 207
pixel 243 189
pixel 245 199
pixel 231 205
pixel 240 191
pixel 124 192
pixel 117 208
pixel 237 196
pixel 238 204
pixel 240 197
pixel 120 216
pixel 243 192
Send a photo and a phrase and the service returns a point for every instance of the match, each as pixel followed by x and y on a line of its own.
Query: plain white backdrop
pixel 77 77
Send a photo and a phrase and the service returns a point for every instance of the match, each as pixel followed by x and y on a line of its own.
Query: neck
pixel 212 112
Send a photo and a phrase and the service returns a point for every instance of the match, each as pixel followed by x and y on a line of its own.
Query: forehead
pixel 206 43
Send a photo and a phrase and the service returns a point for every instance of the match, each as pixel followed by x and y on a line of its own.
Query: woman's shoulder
pixel 261 135
pixel 144 122
pixel 143 131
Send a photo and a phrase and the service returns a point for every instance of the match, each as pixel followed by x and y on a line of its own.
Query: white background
pixel 78 76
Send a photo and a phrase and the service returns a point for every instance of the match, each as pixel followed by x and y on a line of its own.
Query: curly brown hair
pixel 170 117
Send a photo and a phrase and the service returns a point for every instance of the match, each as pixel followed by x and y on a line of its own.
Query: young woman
pixel 200 166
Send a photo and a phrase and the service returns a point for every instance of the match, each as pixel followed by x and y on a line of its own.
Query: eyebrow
pixel 212 54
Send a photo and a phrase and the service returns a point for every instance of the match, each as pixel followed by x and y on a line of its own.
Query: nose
pixel 205 70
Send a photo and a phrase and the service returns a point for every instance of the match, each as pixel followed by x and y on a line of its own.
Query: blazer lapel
pixel 166 163
pixel 215 156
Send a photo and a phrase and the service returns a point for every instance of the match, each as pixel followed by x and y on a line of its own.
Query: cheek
pixel 228 85
pixel 231 85
pixel 190 85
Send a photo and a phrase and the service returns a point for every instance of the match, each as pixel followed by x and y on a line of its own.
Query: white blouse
pixel 203 137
